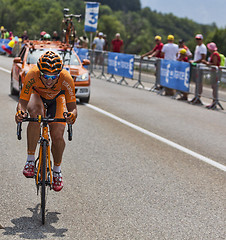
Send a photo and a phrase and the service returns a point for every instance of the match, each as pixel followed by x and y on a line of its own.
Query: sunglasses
pixel 47 77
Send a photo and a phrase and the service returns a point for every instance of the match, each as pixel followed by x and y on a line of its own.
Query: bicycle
pixel 69 32
pixel 43 171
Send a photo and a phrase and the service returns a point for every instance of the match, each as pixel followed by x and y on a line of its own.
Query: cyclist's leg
pixel 57 130
pixel 58 143
pixel 35 107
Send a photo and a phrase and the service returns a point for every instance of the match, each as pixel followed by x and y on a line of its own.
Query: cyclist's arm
pixel 21 110
pixel 22 105
pixel 72 108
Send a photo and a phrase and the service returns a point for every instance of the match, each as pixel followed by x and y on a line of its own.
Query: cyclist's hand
pixel 70 117
pixel 20 115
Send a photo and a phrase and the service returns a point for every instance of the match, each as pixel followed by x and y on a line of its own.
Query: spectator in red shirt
pixel 214 61
pixel 117 44
pixel 156 51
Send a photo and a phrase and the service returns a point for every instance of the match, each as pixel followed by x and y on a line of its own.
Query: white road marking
pixel 5 70
pixel 161 139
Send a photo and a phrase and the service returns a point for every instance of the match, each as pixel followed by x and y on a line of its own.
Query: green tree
pixel 219 37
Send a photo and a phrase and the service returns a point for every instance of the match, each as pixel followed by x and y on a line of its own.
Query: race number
pixel 91 16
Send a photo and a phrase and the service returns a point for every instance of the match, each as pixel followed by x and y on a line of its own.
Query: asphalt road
pixel 120 183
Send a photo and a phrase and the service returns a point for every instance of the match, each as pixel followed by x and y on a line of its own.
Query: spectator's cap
pixel 181 41
pixel 183 51
pixel 170 37
pixel 199 36
pixel 101 34
pixel 84 39
pixel 117 34
pixel 158 38
pixel 47 36
pixel 212 46
pixel 42 33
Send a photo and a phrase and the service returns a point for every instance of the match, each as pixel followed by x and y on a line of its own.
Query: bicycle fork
pixel 48 170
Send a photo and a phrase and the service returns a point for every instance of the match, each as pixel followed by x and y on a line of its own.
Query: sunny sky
pixel 201 11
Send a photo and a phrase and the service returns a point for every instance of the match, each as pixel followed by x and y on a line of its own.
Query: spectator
pixel 55 36
pixel 24 36
pixel 183 46
pixel 170 49
pixel 42 35
pixel 169 52
pixel 98 45
pixel 199 56
pixel 6 34
pixel 97 35
pixel 156 51
pixel 214 60
pixel 83 42
pixel 11 35
pixel 2 32
pixel 106 42
pixel 117 44
pixel 77 43
pixel 183 58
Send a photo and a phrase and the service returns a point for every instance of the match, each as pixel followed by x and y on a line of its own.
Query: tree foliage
pixel 125 6
pixel 137 26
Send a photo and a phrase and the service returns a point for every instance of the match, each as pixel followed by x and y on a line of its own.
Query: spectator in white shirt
pixel 170 49
pixel 169 52
pixel 98 45
pixel 199 56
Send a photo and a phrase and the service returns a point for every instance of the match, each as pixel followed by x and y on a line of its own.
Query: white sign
pixel 91 16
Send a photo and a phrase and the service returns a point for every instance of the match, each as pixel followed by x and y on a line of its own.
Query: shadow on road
pixel 15 98
pixel 32 228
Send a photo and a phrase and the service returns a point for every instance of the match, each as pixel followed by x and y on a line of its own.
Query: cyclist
pixel 47 83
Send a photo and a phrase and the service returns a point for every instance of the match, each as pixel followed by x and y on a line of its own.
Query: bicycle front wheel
pixel 43 182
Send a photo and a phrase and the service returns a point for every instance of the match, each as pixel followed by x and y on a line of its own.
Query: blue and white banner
pixel 91 16
pixel 121 64
pixel 175 75
pixel 82 53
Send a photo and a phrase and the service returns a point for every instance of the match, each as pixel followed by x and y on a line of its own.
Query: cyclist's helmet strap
pixel 50 62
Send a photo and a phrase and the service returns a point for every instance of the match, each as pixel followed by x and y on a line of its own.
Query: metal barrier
pixel 148 71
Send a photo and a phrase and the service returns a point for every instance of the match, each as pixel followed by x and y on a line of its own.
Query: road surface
pixel 125 177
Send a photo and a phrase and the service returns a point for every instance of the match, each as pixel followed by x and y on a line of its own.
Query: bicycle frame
pixel 44 137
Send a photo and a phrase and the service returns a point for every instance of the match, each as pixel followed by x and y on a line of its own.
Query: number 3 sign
pixel 91 17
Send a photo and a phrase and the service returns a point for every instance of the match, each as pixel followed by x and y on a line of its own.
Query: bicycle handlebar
pixel 72 15
pixel 43 120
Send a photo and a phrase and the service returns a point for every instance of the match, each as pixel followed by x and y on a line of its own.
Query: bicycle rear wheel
pixel 43 182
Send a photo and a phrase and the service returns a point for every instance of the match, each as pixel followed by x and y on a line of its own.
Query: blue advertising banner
pixel 121 64
pixel 91 16
pixel 82 53
pixel 175 75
